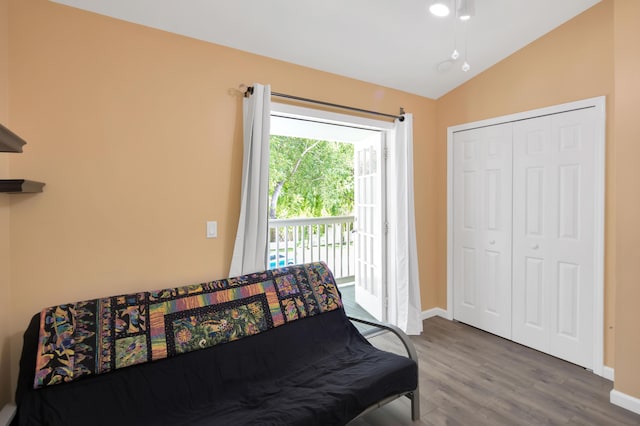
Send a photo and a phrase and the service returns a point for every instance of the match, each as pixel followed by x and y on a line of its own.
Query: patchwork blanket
pixel 100 335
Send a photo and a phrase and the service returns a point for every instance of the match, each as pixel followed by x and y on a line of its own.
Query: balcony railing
pixel 330 239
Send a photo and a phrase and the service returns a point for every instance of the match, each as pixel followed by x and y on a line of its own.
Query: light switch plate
pixel 212 229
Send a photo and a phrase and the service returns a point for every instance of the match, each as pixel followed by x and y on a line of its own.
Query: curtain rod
pixel 249 91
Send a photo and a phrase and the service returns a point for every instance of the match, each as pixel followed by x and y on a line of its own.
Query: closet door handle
pixel 535 246
pixel 492 242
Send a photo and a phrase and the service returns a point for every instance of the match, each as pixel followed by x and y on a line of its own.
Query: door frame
pixel 599 103
pixel 385 128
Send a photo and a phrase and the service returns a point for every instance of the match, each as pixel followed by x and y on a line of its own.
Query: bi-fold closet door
pixel 523 232
pixel 482 228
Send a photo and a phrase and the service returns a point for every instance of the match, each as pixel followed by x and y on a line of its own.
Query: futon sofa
pixel 274 347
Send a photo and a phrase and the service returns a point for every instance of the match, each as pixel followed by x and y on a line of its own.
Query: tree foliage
pixel 310 178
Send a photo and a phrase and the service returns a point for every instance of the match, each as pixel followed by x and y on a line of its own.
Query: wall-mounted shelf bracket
pixel 20 186
pixel 9 141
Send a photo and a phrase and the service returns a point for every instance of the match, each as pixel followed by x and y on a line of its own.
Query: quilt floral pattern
pixel 100 335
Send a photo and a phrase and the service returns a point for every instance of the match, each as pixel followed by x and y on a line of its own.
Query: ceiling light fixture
pixel 439 8
pixel 466 9
pixel 455 54
pixel 466 67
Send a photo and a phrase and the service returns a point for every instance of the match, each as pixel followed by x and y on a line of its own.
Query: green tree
pixel 310 178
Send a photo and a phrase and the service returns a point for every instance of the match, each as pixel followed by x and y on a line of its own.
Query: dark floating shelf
pixel 9 141
pixel 20 186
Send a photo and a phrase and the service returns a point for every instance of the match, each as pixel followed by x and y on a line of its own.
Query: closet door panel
pixel 571 335
pixel 482 228
pixel 531 224
pixel 468 164
pixel 553 223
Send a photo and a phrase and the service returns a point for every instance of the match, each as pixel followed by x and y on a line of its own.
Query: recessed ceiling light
pixel 445 65
pixel 439 8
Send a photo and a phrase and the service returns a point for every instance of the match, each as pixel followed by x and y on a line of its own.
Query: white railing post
pixel 293 243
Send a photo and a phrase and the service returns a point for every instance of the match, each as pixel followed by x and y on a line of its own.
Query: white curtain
pixel 404 280
pixel 250 250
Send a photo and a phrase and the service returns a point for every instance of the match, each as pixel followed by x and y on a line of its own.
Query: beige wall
pixel 5 389
pixel 137 134
pixel 573 62
pixel 627 132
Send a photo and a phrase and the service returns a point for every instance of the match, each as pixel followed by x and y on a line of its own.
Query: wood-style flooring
pixel 470 377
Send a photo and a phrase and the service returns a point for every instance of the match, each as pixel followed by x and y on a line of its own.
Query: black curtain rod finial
pixel 245 90
pixel 401 116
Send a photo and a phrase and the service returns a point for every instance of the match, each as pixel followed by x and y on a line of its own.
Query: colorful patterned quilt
pixel 100 335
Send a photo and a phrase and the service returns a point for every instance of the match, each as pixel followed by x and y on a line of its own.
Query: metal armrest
pixel 408 344
pixel 7 414
pixel 412 354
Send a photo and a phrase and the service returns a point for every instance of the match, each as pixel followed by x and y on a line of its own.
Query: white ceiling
pixel 392 43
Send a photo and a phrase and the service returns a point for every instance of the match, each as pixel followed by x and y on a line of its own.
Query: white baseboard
pixel 434 312
pixel 625 401
pixel 6 414
pixel 608 373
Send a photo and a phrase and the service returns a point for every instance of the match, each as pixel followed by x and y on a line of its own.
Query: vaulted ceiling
pixel 397 44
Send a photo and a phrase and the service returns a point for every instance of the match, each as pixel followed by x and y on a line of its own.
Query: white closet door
pixel 482 228
pixel 553 234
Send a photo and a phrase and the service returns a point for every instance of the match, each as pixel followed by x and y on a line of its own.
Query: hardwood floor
pixel 470 377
